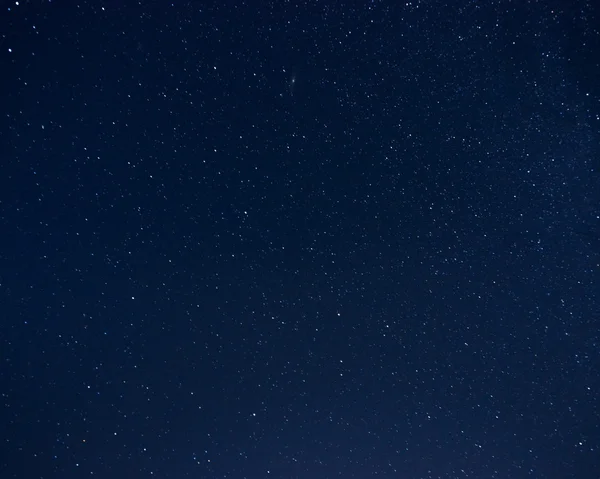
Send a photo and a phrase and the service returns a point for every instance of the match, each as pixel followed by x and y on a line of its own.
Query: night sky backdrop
pixel 305 240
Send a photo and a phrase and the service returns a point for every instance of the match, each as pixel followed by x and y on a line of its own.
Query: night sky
pixel 300 240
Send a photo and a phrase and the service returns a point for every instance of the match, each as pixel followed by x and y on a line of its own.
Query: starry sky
pixel 300 239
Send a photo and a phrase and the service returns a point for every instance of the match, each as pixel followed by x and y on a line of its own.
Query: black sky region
pixel 290 239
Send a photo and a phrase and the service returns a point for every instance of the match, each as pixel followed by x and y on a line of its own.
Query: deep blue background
pixel 387 268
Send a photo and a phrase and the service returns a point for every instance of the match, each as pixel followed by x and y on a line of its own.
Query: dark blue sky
pixel 300 239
